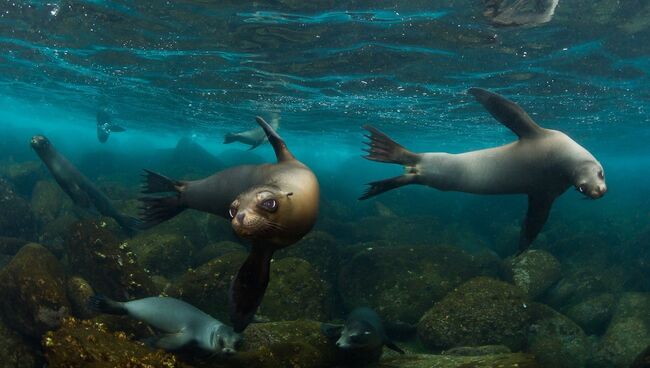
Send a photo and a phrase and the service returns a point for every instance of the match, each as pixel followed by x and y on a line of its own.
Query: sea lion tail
pixel 229 138
pixel 381 186
pixel 383 149
pixel 159 209
pixel 102 304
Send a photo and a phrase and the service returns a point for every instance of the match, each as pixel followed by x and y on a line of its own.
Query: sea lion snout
pixel 598 191
pixel 38 141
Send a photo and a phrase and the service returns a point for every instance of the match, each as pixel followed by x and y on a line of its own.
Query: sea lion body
pixel 253 137
pixel 183 325
pixel 542 164
pixel 105 126
pixel 520 12
pixel 80 189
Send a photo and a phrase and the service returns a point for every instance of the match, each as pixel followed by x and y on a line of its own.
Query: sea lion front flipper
pixel 330 330
pixel 281 151
pixel 508 113
pixel 391 345
pixel 248 287
pixel 170 342
pixel 539 206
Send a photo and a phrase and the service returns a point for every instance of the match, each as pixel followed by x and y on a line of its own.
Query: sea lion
pixel 82 191
pixel 520 12
pixel 270 205
pixel 105 126
pixel 542 164
pixel 361 337
pixel 183 325
pixel 252 137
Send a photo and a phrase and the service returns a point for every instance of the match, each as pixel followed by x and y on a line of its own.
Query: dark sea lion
pixel 520 12
pixel 252 137
pixel 361 337
pixel 271 205
pixel 105 126
pixel 184 326
pixel 543 164
pixel 82 191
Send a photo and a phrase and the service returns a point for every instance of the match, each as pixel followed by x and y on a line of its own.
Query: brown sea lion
pixel 271 205
pixel 542 164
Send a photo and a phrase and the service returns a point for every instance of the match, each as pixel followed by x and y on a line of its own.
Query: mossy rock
pixel 216 250
pixel 296 291
pixel 416 230
pixel 47 200
pixel 411 280
pixel 482 311
pixel 534 271
pixel 79 292
pixel 511 360
pixel 163 253
pixel 594 313
pixel 24 175
pixel 33 293
pixel 16 217
pixel 579 284
pixel 321 250
pixel 15 352
pixel 90 344
pixel 555 340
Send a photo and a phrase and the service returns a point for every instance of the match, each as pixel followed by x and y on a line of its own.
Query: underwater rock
pixel 628 332
pixel 16 218
pixel 97 255
pixel 163 253
pixel 90 344
pixel 594 313
pixel 642 360
pixel 10 246
pixel 47 200
pixel 555 340
pixel 411 280
pixel 415 230
pixel 207 286
pixel 579 284
pixel 477 350
pixel 24 175
pixel 79 292
pixel 320 249
pixel 15 352
pixel 534 271
pixel 482 311
pixel 216 250
pixel 296 291
pixel 512 360
pixel 32 293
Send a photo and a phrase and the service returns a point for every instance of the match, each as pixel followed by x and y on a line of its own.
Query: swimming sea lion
pixel 184 326
pixel 543 164
pixel 520 12
pixel 82 191
pixel 271 205
pixel 253 137
pixel 105 126
pixel 361 337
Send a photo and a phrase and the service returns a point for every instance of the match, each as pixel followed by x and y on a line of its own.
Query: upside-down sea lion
pixel 520 12
pixel 105 126
pixel 253 137
pixel 543 164
pixel 82 191
pixel 271 205
pixel 183 325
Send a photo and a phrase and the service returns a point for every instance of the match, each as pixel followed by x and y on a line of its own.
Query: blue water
pixel 172 69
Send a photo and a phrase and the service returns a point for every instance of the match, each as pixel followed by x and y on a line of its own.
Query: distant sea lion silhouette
pixel 105 126
pixel 252 137
pixel 520 12
pixel 543 164
pixel 361 337
pixel 80 189
pixel 184 326
pixel 271 205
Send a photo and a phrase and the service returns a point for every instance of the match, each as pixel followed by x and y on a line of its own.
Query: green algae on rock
pixel 16 217
pixel 215 250
pixel 32 292
pixel 593 313
pixel 163 253
pixel 79 292
pixel 16 352
pixel 534 271
pixel 482 311
pixel 511 360
pixel 320 249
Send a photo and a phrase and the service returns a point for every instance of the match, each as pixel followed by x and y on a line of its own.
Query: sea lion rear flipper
pixel 381 186
pixel 281 151
pixel 383 149
pixel 248 287
pixel 169 342
pixel 159 209
pixel 391 345
pixel 330 330
pixel 229 138
pixel 102 304
pixel 539 207
pixel 116 128
pixel 507 112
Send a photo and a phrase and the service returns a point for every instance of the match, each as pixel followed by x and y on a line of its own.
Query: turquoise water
pixel 165 70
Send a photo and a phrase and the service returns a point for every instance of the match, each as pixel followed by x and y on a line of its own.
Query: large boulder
pixel 16 218
pixel 215 250
pixel 48 200
pixel 16 352
pixel 534 271
pixel 166 254
pixel 321 250
pixel 482 311
pixel 508 360
pixel 593 313
pixel 24 175
pixel 79 292
pixel 33 292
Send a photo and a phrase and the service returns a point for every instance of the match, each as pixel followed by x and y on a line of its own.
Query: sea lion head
pixel 260 214
pixel 39 143
pixel 589 179
pixel 224 340
pixel 358 335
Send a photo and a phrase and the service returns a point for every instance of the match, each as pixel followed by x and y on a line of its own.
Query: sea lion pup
pixel 542 164
pixel 183 325
pixel 520 12
pixel 82 191
pixel 270 205
pixel 105 126
pixel 253 137
pixel 362 337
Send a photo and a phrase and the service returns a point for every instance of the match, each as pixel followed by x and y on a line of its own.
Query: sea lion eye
pixel 270 205
pixel 582 188
pixel 601 175
pixel 232 212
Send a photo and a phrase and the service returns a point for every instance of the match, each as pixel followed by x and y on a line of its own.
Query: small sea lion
pixel 105 126
pixel 253 137
pixel 184 326
pixel 362 337
pixel 542 164
pixel 270 205
pixel 82 191
pixel 520 12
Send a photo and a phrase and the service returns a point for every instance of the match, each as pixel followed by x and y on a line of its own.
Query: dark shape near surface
pixel 253 137
pixel 105 126
pixel 270 205
pixel 82 191
pixel 520 12
pixel 361 337
pixel 542 164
